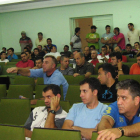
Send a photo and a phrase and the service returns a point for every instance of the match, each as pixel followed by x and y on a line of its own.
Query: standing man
pixel 76 41
pixel 93 38
pixel 24 40
pixel 40 40
pixel 123 116
pixel 49 73
pixel 51 115
pixel 118 38
pixel 107 36
pixel 11 54
pixel 133 35
pixel 85 116
pixel 64 68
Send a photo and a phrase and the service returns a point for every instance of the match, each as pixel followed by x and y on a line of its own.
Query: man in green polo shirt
pixel 93 37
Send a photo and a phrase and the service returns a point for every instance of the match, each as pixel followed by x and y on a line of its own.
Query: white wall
pixel 54 22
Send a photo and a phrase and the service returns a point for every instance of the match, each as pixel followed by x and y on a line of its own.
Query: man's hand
pixel 55 102
pixel 75 74
pixel 119 65
pixel 109 134
pixel 12 70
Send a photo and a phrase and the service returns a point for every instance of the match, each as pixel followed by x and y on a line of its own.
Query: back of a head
pixel 54 88
pixel 117 54
pixel 93 83
pixel 77 29
pixel 129 84
pixel 108 68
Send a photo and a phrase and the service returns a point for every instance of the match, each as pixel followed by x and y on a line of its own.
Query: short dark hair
pixel 77 29
pixel 53 59
pixel 26 47
pixel 28 51
pixel 93 83
pixel 2 52
pixel 40 46
pixel 52 47
pixel 23 53
pixel 11 49
pixel 36 49
pixel 107 26
pixel 128 45
pixel 40 33
pixel 55 89
pixel 129 84
pixel 104 47
pixel 66 46
pixel 4 48
pixel 93 27
pixel 117 29
pixel 117 54
pixel 92 46
pixel 108 68
pixel 137 43
pixel 63 56
pixel 39 58
pixel 49 39
pixel 131 24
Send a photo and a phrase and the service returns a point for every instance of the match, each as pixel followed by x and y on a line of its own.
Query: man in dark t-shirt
pixel 82 67
pixel 87 54
pixel 67 52
pixel 106 76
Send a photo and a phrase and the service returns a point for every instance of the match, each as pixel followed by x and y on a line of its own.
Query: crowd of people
pixel 113 121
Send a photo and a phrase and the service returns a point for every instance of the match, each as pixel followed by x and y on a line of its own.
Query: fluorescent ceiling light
pixel 12 1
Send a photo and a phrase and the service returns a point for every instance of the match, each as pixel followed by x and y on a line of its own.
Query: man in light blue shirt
pixel 105 39
pixel 49 73
pixel 85 116
pixel 11 54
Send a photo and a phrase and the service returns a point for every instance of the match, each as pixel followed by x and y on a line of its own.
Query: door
pixel 100 22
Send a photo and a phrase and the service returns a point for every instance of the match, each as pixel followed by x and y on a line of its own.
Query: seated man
pixel 64 68
pixel 85 116
pixel 38 63
pixel 11 54
pixel 103 56
pixel 94 60
pixel 92 47
pixel 25 62
pixel 136 47
pixel 122 117
pixel 54 53
pixel 87 53
pixel 3 57
pixel 41 52
pixel 25 49
pixel 67 52
pixel 83 67
pixel 116 61
pixel 49 116
pixel 118 49
pixel 106 76
pixel 4 49
pixel 49 73
pixel 28 52
pixel 129 51
pixel 135 68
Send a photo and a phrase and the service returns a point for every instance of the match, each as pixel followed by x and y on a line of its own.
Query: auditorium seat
pixel 16 90
pixel 5 67
pixel 2 90
pixel 11 63
pixel 40 81
pixel 8 132
pixel 129 64
pixel 15 60
pixel 14 111
pixel 73 94
pixel 55 134
pixel 134 77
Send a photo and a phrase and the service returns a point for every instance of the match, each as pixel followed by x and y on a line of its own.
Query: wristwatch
pixel 122 131
pixel 120 70
pixel 52 111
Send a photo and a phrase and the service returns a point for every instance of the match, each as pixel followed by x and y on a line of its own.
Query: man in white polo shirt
pixel 3 57
pixel 133 35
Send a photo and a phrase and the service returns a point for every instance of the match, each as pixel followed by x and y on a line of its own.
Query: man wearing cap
pixel 24 40
pixel 93 37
